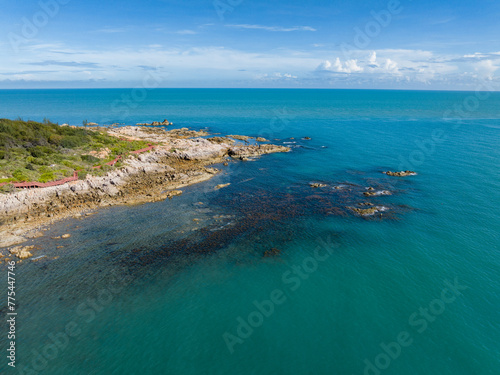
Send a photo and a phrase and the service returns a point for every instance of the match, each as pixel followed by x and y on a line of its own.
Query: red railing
pixel 35 184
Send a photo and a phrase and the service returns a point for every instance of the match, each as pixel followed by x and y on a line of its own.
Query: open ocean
pixel 148 290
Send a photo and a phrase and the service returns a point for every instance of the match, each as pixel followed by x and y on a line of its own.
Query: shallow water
pixel 147 289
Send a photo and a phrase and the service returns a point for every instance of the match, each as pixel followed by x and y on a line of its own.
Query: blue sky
pixel 400 44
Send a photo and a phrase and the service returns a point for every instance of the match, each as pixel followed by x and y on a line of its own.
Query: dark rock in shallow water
pixel 368 211
pixel 317 185
pixel 400 174
pixel 376 193
pixel 272 252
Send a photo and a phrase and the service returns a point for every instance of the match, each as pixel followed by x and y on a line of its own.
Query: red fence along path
pixel 35 184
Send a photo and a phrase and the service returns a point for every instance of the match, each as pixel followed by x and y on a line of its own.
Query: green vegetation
pixel 33 151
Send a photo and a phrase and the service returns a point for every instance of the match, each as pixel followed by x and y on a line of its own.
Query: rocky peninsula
pixel 179 157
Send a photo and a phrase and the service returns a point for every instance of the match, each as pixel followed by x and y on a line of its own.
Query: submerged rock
pixel 376 193
pixel 368 211
pixel 272 252
pixel 317 185
pixel 400 174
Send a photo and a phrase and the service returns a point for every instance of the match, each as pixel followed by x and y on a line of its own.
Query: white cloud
pixel 486 69
pixel 372 60
pixel 273 28
pixel 389 67
pixel 349 66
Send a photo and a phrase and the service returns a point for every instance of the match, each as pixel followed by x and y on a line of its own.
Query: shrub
pixel 36 152
pixel 46 177
pixel 90 159
pixel 55 139
pixel 39 161
pixel 71 165
pixel 71 141
pixel 82 175
pixel 20 175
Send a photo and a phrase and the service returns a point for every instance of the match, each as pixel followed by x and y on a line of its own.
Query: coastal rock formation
pixel 186 133
pixel 155 123
pixel 240 137
pixel 179 158
pixel 400 174
pixel 220 140
pixel 173 193
pixel 240 152
pixel 22 252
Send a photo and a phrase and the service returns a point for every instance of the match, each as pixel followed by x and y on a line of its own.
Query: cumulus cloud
pixel 486 69
pixel 349 66
pixel 391 66
pixel 372 60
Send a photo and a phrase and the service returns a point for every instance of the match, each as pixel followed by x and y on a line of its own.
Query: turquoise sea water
pixel 148 290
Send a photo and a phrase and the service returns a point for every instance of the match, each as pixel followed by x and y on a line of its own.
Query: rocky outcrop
pixel 155 123
pixel 220 186
pixel 240 152
pixel 400 174
pixel 220 140
pixel 240 137
pixel 177 160
pixel 22 252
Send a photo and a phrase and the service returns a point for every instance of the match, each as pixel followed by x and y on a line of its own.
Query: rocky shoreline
pixel 180 158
